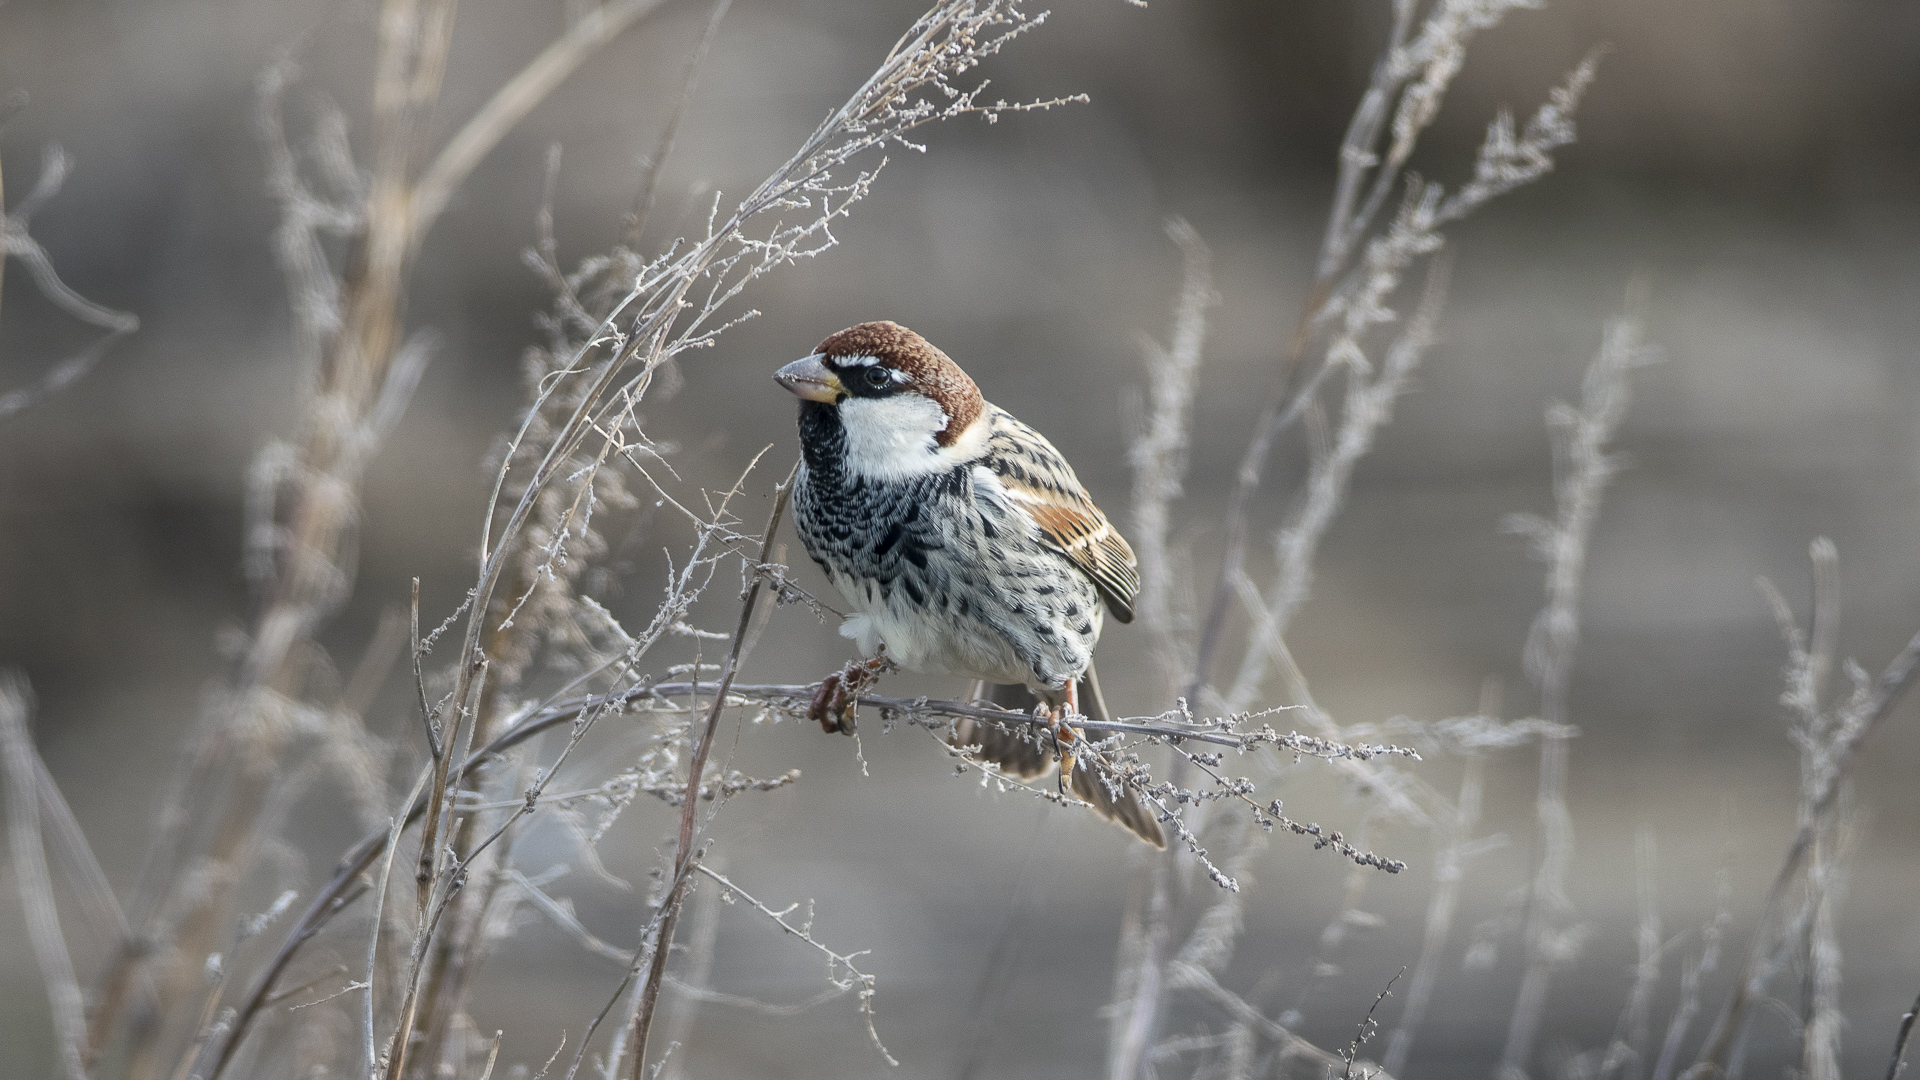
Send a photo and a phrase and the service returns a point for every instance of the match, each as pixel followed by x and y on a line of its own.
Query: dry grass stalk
pixel 32 878
pixel 16 242
pixel 1829 738
pixel 348 323
pixel 1358 270
pixel 1899 1062
pixel 619 323
pixel 1582 468
pixel 1454 845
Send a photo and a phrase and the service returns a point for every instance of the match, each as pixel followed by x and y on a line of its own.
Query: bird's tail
pixel 1026 751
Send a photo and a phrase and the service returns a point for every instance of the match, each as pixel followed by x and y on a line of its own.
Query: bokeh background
pixel 1756 164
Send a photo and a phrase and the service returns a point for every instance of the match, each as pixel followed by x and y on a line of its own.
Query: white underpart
pixel 892 437
pixel 977 647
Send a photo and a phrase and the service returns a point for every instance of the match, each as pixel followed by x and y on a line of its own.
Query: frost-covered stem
pixel 1899 1063
pixel 1820 1038
pixel 1504 162
pixel 860 982
pixel 685 1008
pixel 1160 465
pixel 1632 1034
pixel 1692 975
pixel 1160 453
pixel 361 373
pixel 1850 724
pixel 1368 407
pixel 1139 980
pixel 19 762
pixel 1581 471
pixel 1452 831
pixel 18 243
pixel 683 854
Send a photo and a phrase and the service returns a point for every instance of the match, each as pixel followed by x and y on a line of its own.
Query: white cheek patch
pixel 891 438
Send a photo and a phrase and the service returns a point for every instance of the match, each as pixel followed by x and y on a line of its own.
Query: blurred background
pixel 1756 164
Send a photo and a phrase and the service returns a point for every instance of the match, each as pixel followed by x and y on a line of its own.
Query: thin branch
pixel 1367 1027
pixel 689 810
pixel 855 979
pixel 512 102
pixel 1857 719
pixel 1160 452
pixel 21 764
pixel 1453 831
pixel 1898 1064
pixel 17 242
pixel 1582 469
pixel 636 225
pixel 1693 974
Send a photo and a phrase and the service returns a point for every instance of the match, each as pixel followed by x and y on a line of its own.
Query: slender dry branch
pixel 856 980
pixel 31 877
pixel 1368 406
pixel 348 320
pixel 1453 832
pixel 1899 1064
pixel 18 243
pixel 1582 468
pixel 1693 974
pixel 513 101
pixel 1160 453
pixel 1357 302
pixel 683 857
pixel 1870 703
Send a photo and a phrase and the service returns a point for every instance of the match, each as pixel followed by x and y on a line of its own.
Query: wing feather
pixel 1038 480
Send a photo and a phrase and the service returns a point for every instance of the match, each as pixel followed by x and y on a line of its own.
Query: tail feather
pixel 1024 751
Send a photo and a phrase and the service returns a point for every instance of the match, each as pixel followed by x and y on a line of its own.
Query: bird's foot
pixel 1065 739
pixel 834 701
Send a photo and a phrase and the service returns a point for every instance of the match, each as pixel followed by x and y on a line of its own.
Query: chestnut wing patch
pixel 1039 481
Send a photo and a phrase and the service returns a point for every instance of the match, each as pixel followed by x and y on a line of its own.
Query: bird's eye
pixel 877 377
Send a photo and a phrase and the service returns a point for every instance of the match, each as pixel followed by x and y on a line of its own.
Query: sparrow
pixel 964 544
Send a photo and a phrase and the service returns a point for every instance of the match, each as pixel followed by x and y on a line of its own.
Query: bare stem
pixel 683 858
pixel 35 884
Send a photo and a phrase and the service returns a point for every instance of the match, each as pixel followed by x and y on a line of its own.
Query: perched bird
pixel 963 542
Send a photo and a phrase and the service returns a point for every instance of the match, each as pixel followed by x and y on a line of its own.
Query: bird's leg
pixel 1064 736
pixel 834 700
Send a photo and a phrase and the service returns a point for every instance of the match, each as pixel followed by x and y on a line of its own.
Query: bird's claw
pixel 837 695
pixel 1064 740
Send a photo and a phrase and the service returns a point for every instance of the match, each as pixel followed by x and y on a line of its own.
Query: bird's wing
pixel 1039 481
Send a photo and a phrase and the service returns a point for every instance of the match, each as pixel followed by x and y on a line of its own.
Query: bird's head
pixel 905 407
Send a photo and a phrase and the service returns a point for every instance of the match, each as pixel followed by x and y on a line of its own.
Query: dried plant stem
pixel 19 762
pixel 1898 1064
pixel 1368 406
pixel 1628 1049
pixel 1160 455
pixel 683 856
pixel 861 982
pixel 1140 981
pixel 1822 1020
pixel 18 243
pixel 1452 833
pixel 1857 720
pixel 1581 471
pixel 1691 976
pixel 362 376
pixel 351 379
pixel 513 101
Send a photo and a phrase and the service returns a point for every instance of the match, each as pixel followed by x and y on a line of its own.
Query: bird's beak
pixel 809 379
